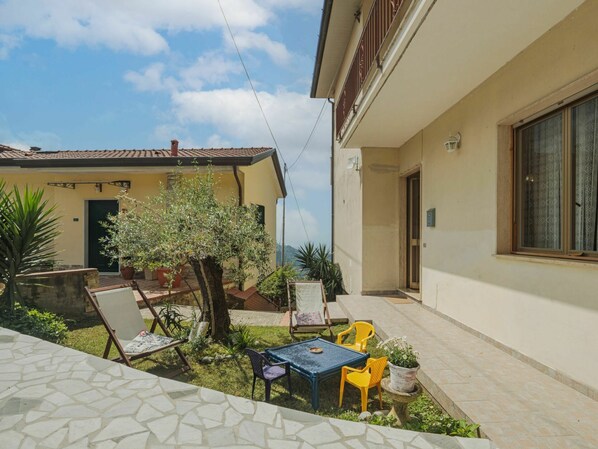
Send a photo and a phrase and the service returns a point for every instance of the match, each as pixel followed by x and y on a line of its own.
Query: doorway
pixel 413 231
pixel 97 212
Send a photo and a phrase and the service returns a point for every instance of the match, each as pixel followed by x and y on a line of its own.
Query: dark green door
pixel 97 211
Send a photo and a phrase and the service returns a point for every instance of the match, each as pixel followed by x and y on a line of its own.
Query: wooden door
pixel 413 231
pixel 97 212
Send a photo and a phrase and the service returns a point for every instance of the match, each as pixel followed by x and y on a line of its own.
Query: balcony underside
pixel 443 51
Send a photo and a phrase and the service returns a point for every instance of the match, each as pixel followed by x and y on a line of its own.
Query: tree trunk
pixel 215 310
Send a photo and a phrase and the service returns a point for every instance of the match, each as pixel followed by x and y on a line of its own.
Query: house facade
pixel 465 165
pixel 84 184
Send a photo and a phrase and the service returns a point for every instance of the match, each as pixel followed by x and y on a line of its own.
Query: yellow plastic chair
pixel 364 379
pixel 363 332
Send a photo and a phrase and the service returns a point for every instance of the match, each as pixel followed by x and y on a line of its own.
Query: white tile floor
pixel 55 397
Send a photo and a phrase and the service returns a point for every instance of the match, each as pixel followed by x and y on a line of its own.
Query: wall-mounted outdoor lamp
pixel 453 143
pixel 353 163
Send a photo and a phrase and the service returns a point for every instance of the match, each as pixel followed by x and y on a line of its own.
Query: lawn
pixel 234 376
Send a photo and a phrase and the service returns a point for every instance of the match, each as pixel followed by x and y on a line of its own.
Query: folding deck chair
pixel 118 310
pixel 310 313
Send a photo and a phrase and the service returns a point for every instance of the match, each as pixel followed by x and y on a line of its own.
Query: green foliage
pixel 399 352
pixel 28 227
pixel 274 287
pixel 426 417
pixel 198 344
pixel 383 420
pixel 172 318
pixel 185 223
pixel 316 263
pixel 239 338
pixel 44 325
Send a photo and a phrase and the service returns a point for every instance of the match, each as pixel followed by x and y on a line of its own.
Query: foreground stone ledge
pixel 56 397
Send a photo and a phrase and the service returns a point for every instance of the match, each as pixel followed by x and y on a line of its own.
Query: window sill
pixel 548 260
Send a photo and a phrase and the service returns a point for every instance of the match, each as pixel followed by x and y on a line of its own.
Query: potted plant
pixel 126 270
pixel 402 363
pixel 165 276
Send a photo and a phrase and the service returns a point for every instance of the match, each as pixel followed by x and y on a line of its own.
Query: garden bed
pixel 233 375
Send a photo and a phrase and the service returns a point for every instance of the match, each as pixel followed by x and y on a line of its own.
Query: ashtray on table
pixel 316 350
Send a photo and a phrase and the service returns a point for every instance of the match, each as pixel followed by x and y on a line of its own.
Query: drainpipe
pixel 240 190
pixel 332 178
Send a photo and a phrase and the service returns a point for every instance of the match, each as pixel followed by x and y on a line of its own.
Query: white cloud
pixel 131 25
pixel 295 233
pixel 247 40
pixel 210 68
pixel 151 79
pixel 7 43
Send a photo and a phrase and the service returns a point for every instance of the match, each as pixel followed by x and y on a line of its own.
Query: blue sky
pixel 95 74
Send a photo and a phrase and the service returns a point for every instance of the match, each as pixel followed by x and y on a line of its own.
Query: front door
pixel 97 212
pixel 413 231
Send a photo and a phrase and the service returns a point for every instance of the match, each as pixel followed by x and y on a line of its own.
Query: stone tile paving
pixel 517 405
pixel 56 397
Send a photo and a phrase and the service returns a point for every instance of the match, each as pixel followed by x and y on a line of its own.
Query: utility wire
pixel 298 208
pixel 249 79
pixel 310 135
pixel 265 118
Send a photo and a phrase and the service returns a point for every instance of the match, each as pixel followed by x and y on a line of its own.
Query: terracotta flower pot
pixel 127 273
pixel 163 278
pixel 402 379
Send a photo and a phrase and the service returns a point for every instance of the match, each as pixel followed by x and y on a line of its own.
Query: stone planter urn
pixel 402 379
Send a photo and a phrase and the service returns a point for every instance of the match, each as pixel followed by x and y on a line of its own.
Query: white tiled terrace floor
pixel 518 406
pixel 55 397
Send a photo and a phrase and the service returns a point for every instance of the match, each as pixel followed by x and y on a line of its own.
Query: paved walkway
pixel 249 317
pixel 55 397
pixel 517 406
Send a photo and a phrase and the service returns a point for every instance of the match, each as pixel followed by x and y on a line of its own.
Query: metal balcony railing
pixel 377 27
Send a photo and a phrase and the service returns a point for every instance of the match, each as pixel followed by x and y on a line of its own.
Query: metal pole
pixel 284 209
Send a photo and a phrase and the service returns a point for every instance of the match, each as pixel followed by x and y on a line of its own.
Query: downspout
pixel 240 190
pixel 332 177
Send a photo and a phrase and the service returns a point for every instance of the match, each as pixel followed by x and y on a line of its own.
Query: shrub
pixel 239 338
pixel 399 352
pixel 44 325
pixel 427 418
pixel 274 287
pixel 316 263
pixel 172 318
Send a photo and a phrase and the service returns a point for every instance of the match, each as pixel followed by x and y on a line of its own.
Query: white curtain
pixel 541 183
pixel 585 160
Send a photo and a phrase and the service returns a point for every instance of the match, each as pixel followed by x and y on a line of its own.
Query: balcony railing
pixel 367 56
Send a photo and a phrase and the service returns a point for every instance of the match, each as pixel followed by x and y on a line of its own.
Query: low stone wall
pixel 61 292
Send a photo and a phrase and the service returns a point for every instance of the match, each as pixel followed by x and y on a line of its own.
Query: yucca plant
pixel 316 263
pixel 28 227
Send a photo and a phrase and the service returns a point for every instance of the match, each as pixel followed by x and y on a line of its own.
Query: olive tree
pixel 185 223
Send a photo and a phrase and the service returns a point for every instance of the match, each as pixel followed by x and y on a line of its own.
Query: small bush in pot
pixel 402 363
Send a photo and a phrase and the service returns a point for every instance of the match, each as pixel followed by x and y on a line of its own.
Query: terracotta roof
pixel 7 152
pixel 12 157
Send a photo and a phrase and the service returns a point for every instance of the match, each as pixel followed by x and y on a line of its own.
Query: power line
pixel 249 79
pixel 310 135
pixel 298 208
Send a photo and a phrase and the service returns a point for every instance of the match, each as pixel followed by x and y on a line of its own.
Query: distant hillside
pixel 289 255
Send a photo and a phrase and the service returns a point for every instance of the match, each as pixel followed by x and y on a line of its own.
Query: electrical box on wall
pixel 431 218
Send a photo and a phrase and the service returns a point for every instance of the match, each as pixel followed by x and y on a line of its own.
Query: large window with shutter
pixel 556 182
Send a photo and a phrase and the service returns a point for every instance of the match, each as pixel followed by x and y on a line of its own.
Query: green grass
pixel 234 376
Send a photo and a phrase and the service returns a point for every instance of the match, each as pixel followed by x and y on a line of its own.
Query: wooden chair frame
pixel 112 338
pixel 309 328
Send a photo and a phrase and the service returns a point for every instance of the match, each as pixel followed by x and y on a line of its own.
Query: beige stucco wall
pixel 348 218
pixel 546 310
pixel 259 186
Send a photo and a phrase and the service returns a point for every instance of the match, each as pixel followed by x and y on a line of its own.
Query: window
pixel 261 214
pixel 556 173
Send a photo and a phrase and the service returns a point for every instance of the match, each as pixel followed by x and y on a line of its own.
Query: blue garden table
pixel 317 367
